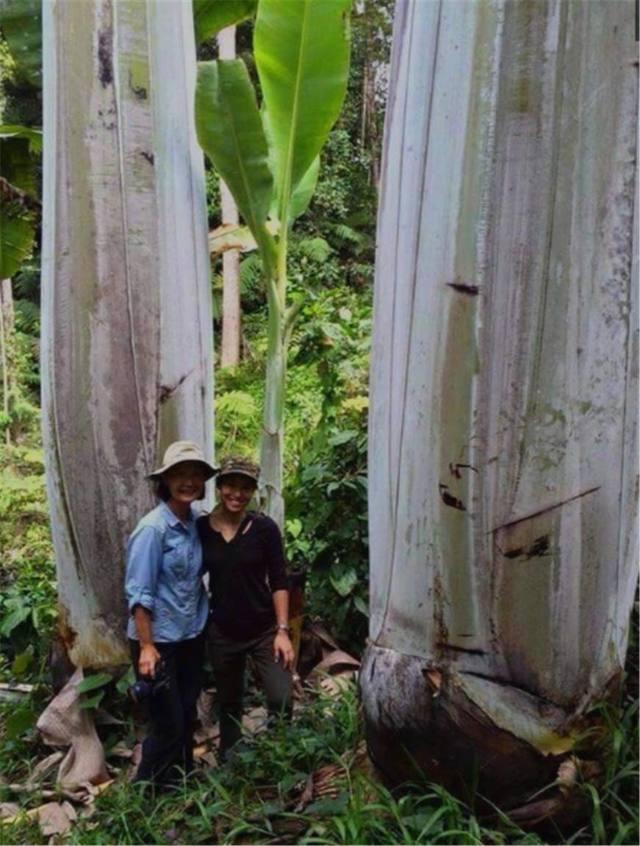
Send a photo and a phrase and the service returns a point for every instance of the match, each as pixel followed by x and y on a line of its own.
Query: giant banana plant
pixel 126 346
pixel 269 158
pixel 503 415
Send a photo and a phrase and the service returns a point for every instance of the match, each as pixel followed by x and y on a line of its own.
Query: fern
pixel 26 283
pixel 250 272
pixel 317 249
pixel 236 404
pixel 348 235
pixel 27 316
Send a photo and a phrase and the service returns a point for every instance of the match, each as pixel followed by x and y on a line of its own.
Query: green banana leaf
pixel 33 136
pixel 230 131
pixel 302 56
pixel 20 21
pixel 302 193
pixel 304 190
pixel 210 16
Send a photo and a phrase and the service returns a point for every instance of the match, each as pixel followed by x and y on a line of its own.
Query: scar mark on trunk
pixel 454 469
pixel 451 648
pixel 167 391
pixel 105 59
pixel 545 510
pixel 540 547
pixel 464 288
pixel 139 91
pixel 148 156
pixel 449 499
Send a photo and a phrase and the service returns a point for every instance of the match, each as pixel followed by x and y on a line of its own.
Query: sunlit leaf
pixel 302 57
pixel 210 16
pixel 344 583
pixel 230 132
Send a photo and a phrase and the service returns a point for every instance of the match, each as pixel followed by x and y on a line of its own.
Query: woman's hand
pixel 283 650
pixel 149 657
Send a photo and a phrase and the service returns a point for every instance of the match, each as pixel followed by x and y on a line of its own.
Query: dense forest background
pixel 332 262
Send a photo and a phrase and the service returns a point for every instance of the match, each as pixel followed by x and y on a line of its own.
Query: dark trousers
pixel 167 751
pixel 228 658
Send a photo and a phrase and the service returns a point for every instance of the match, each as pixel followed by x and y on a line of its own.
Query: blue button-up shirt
pixel 164 575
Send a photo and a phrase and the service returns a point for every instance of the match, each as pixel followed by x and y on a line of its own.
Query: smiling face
pixel 235 492
pixel 185 482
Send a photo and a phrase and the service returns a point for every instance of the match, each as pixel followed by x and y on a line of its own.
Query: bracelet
pixel 282 627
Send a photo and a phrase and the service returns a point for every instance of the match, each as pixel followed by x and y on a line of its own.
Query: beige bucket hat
pixel 180 451
pixel 240 466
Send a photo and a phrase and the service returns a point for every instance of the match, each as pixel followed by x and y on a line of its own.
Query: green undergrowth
pixel 27 572
pixel 259 797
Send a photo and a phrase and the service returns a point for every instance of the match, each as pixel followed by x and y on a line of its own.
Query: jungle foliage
pixel 331 255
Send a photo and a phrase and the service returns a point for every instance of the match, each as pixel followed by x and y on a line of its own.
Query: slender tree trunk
pixel 126 346
pixel 272 446
pixel 231 314
pixel 503 393
pixel 364 111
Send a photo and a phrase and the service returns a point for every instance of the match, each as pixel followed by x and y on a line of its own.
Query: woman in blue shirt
pixel 168 611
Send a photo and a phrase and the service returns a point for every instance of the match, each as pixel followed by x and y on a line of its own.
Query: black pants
pixel 228 658
pixel 167 751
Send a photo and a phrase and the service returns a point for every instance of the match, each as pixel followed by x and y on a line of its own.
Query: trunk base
pixel 486 742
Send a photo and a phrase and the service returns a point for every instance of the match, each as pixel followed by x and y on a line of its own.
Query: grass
pixel 256 798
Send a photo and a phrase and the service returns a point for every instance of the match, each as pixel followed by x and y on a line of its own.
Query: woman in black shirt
pixel 243 554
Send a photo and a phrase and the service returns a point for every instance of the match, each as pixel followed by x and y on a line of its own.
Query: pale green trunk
pixel 503 392
pixel 126 346
pixel 272 446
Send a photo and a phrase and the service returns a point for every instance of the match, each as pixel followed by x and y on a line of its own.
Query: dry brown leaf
pixel 206 734
pixel 53 818
pixel 209 758
pixel 255 720
pixel 204 707
pixel 44 767
pixel 306 796
pixel 335 662
pixel 567 774
pixel 70 811
pixel 64 723
pixel 121 750
pixel 9 809
pixel 318 630
pixel 335 685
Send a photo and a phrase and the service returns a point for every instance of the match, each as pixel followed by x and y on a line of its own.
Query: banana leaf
pixel 302 57
pixel 210 16
pixel 230 131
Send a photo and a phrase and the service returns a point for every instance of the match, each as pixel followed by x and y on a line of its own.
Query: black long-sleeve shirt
pixel 243 574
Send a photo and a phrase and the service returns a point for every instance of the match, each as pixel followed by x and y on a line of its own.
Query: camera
pixel 146 688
